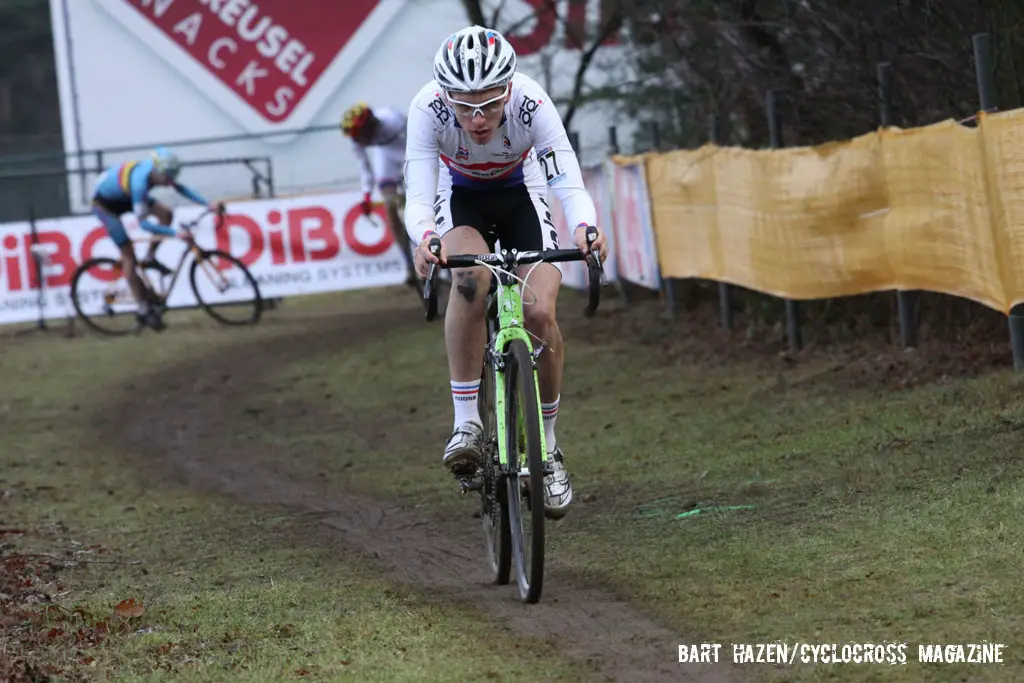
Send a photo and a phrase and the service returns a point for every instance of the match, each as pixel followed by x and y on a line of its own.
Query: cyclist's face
pixel 365 134
pixel 479 113
pixel 162 178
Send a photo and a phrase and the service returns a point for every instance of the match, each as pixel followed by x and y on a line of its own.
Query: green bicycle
pixel 515 458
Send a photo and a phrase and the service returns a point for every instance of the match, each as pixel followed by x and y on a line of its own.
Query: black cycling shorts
pixel 514 216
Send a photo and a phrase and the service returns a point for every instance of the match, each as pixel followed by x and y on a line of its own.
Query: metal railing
pixel 25 194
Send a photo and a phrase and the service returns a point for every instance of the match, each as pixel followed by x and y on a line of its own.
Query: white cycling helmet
pixel 474 59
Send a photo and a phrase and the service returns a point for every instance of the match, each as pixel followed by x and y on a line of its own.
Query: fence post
pixel 668 284
pixel 983 70
pixel 37 264
pixel 775 138
pixel 255 179
pixel 613 144
pixel 724 290
pixel 906 301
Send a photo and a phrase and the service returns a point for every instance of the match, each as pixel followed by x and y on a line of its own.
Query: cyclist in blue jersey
pixel 125 189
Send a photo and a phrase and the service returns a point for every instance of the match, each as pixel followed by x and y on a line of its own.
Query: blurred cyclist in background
pixel 383 129
pixel 125 189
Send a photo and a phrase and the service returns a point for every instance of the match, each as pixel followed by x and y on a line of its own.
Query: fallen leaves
pixel 129 609
pixel 34 629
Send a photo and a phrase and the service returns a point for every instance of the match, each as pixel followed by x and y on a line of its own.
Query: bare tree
pixel 546 19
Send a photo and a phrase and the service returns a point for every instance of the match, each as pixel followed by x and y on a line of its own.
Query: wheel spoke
pixel 102 298
pixel 225 288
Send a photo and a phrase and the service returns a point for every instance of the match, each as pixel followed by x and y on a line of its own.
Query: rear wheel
pixel 225 288
pixel 523 438
pixel 102 298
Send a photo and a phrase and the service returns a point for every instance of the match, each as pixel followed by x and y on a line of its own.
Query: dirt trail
pixel 195 438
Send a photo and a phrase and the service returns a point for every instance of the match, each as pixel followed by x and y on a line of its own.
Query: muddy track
pixel 193 438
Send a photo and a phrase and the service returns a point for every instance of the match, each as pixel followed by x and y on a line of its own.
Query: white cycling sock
pixel 464 396
pixel 550 413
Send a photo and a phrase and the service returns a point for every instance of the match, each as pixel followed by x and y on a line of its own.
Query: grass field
pixel 222 591
pixel 854 511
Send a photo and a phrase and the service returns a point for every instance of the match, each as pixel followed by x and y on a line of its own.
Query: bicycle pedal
pixel 467 484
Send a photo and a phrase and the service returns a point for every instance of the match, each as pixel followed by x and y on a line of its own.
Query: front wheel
pixel 523 439
pixel 225 288
pixel 493 498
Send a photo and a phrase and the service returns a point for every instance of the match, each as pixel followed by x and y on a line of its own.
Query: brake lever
pixel 591 238
pixel 429 295
pixel 435 248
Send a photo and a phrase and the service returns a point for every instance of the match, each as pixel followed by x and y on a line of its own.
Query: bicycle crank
pixel 469 483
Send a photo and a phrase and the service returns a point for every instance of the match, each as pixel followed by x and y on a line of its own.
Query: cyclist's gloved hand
pixel 422 257
pixel 579 236
pixel 367 205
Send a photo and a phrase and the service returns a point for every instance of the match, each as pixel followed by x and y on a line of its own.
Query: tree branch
pixel 474 12
pixel 496 15
pixel 612 24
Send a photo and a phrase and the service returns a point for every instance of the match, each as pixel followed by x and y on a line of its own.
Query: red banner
pixel 269 52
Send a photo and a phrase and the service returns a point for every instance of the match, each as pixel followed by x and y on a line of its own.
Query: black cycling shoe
pixel 151 319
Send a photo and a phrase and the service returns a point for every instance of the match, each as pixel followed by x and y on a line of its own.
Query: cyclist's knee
pixel 471 284
pixel 540 315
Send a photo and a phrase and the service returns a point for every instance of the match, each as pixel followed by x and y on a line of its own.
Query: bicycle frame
pixel 510 326
pixel 510 316
pixel 193 249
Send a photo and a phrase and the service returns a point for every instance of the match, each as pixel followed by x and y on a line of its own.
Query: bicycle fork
pixel 514 464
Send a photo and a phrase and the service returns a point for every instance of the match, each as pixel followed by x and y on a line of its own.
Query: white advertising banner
pixel 574 274
pixel 595 179
pixel 636 252
pixel 136 73
pixel 293 246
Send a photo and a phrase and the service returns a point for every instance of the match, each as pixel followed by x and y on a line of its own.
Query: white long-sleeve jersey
pixel 390 133
pixel 530 147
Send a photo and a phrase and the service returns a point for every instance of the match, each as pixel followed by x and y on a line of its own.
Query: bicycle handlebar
pixel 189 225
pixel 509 260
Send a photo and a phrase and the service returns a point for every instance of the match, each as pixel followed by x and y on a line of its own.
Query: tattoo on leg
pixel 466 286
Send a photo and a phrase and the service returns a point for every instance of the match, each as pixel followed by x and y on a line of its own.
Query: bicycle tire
pixel 257 300
pixel 521 388
pixel 88 320
pixel 493 497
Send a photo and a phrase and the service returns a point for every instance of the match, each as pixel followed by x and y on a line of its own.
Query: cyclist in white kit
pixel 484 143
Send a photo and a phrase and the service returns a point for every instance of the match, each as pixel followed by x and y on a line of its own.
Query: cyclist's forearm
pixel 189 193
pixel 577 205
pixel 421 168
pixel 421 181
pixel 157 228
pixel 365 169
pixel 419 218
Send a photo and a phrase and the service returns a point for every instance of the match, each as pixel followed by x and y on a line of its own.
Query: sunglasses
pixel 486 108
